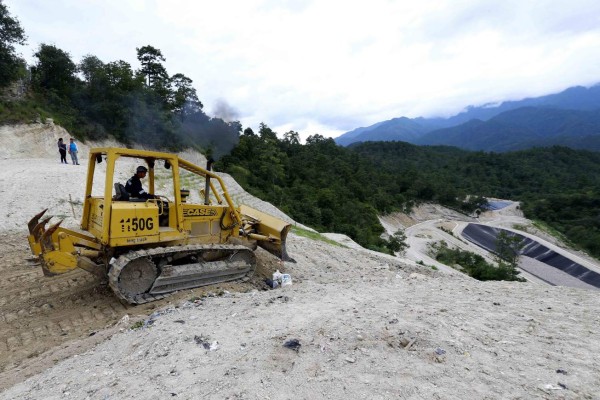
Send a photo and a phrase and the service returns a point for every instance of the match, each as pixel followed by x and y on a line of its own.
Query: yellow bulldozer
pixel 148 248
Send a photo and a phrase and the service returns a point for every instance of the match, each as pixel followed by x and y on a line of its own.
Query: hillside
pixel 368 325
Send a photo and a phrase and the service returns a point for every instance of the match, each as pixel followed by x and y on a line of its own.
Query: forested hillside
pixel 339 189
pixel 557 185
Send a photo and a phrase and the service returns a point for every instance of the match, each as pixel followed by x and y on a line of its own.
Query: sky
pixel 327 66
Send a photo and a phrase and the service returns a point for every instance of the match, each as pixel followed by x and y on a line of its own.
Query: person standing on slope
pixel 62 149
pixel 73 152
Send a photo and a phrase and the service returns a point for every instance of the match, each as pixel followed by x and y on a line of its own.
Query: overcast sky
pixel 327 66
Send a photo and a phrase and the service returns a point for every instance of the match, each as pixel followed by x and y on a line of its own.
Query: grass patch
pixel 433 267
pixel 24 111
pixel 314 236
pixel 564 239
pixel 472 264
pixel 521 227
pixel 137 325
pixel 448 231
pixel 544 227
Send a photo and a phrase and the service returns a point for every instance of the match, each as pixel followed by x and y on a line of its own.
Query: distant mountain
pixel 521 129
pixel 402 129
pixel 350 136
pixel 469 130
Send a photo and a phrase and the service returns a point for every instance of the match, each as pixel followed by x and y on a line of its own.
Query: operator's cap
pixel 141 168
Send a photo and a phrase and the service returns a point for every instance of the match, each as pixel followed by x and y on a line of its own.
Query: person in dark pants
pixel 62 149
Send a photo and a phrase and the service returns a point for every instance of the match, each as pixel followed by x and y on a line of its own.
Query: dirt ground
pixel 354 324
pixel 58 317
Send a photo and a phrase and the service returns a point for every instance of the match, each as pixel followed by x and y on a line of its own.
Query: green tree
pixel 91 68
pixel 249 132
pixel 508 252
pixel 316 138
pixel 291 137
pixel 184 100
pixel 54 71
pixel 121 78
pixel 267 134
pixel 397 242
pixel 152 70
pixel 11 33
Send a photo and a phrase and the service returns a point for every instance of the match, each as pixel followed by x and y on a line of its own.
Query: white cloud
pixel 331 66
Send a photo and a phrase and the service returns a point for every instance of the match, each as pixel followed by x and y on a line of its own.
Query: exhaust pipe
pixel 209 164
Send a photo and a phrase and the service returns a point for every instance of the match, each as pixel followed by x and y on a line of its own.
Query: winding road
pixel 545 261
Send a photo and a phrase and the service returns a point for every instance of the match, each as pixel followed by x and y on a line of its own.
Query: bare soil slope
pixel 357 325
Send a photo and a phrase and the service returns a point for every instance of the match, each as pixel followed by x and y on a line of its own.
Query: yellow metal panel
pixel 59 262
pixel 215 228
pixel 95 216
pixel 168 235
pixel 200 228
pixel 35 247
pixel 268 224
pixel 108 188
pixel 133 223
pixel 200 212
pixel 88 192
pixel 269 231
pixel 203 220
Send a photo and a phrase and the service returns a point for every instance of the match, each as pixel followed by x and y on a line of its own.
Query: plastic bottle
pixel 277 277
pixel 286 280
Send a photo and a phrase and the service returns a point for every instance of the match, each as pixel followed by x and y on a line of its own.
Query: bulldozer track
pixel 125 259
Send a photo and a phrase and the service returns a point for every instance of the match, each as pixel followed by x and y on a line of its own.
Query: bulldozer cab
pixel 200 212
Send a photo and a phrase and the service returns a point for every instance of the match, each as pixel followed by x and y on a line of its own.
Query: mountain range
pixel 570 118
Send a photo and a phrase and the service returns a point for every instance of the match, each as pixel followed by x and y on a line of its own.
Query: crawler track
pixel 212 264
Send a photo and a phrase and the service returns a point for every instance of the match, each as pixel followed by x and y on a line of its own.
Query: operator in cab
pixel 134 184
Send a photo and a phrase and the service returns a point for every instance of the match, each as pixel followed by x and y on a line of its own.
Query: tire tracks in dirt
pixel 39 313
pixel 46 319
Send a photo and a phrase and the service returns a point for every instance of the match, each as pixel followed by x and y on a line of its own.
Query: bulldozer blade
pixel 271 228
pixel 46 271
pixel 34 221
pixel 278 247
pixel 46 239
pixel 39 228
